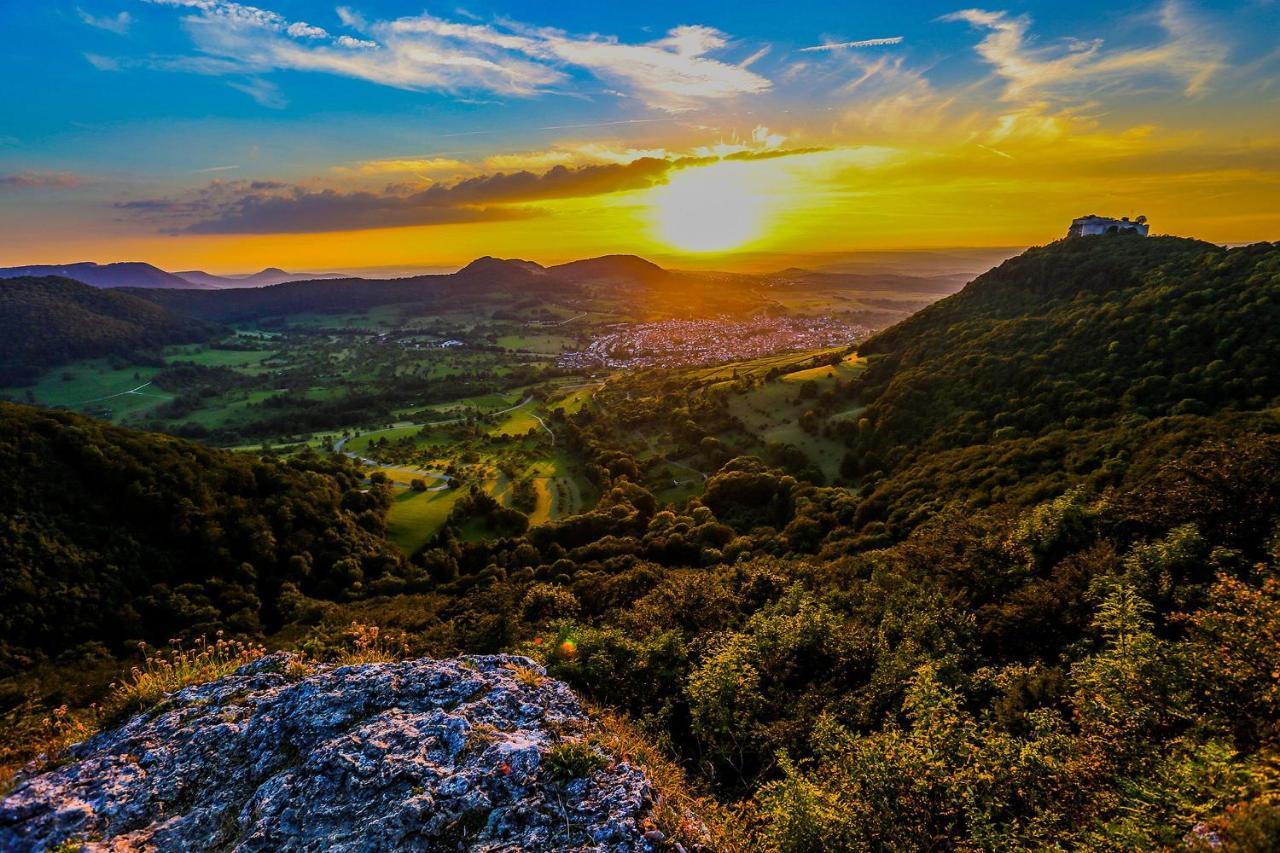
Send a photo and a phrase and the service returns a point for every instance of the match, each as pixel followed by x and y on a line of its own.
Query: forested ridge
pixel 48 321
pixel 1042 612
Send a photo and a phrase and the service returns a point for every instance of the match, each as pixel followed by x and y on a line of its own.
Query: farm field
pixel 539 343
pixel 95 387
pixel 850 366
pixel 415 517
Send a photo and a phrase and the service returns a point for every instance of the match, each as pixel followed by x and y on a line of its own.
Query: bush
pixel 571 760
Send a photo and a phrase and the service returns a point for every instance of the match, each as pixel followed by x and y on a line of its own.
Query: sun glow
pixel 710 208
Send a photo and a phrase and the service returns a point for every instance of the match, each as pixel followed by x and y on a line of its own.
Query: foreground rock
pixel 417 755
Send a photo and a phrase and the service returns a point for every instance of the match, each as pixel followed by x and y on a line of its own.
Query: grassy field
pixel 757 367
pixel 572 401
pixel 560 492
pixel 549 344
pixel 360 443
pixel 415 517
pixel 517 422
pixel 94 386
pixel 243 360
pixel 772 411
pixel 849 367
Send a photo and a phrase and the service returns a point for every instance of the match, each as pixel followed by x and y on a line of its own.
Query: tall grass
pixel 164 671
pixel 369 645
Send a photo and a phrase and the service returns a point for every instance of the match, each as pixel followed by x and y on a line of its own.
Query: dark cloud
pixel 271 207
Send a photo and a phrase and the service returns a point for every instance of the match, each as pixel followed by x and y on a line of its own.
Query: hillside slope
pixel 1061 634
pixel 1077 333
pixel 110 535
pixel 45 322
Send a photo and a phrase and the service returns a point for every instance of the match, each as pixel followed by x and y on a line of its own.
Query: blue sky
pixel 109 102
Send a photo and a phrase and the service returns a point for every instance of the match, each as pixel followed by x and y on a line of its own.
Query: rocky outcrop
pixel 415 755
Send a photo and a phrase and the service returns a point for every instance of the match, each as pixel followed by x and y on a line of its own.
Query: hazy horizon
pixel 920 261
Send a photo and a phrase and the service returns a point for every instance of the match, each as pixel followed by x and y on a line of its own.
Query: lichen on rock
pixel 414 755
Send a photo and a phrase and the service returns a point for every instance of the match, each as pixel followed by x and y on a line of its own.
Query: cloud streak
pixel 118 24
pixel 852 45
pixel 1188 54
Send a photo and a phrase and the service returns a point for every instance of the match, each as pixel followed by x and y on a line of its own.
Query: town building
pixel 1091 225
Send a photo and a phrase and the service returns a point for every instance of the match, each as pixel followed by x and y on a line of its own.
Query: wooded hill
pixel 110 535
pixel 46 322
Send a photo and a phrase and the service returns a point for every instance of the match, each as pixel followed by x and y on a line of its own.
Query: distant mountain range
pixel 940 274
pixel 266 278
pixel 145 276
pixel 648 291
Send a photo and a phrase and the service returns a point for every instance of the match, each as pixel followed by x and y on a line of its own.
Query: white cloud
pixel 301 30
pixel 675 73
pixel 118 23
pixel 264 92
pixel 350 19
pixel 1187 54
pixel 102 63
pixel 354 43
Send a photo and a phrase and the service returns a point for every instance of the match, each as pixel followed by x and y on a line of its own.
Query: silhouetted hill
pixel 502 268
pixel 45 322
pixel 269 276
pixel 336 296
pixel 628 268
pixel 131 274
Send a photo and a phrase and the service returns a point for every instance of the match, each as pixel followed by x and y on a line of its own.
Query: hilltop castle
pixel 1088 226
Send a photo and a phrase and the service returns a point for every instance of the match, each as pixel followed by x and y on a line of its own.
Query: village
pixel 674 343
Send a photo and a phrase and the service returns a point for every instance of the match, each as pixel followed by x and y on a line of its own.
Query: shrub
pixel 571 760
pixel 546 601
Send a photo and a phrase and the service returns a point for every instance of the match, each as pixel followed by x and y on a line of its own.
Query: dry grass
pixel 526 676
pixel 370 645
pixel 164 672
pixel 31 736
pixel 683 813
pixel 43 737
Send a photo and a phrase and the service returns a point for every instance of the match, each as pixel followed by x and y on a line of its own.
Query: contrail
pixel 850 44
pixel 605 123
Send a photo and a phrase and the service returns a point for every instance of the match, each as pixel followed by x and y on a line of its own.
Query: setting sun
pixel 710 209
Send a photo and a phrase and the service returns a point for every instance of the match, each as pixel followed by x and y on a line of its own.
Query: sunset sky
pixel 228 137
